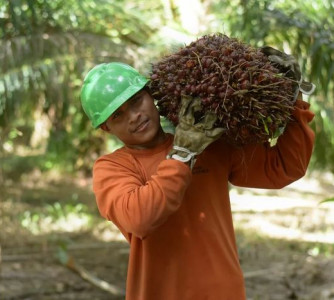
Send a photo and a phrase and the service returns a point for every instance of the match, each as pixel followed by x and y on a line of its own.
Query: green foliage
pixel 305 29
pixel 56 216
pixel 14 166
pixel 324 130
pixel 327 200
pixel 47 46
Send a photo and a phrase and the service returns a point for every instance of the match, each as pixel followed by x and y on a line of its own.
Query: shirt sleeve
pixel 262 166
pixel 135 206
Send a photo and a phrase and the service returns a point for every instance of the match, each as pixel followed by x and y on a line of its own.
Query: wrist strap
pixel 190 156
pixel 306 92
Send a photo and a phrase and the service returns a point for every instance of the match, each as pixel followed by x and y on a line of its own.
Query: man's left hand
pixel 288 65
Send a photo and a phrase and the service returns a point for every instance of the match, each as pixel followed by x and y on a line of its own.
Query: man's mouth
pixel 142 126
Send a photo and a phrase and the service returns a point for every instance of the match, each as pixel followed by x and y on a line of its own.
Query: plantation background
pixel 47 146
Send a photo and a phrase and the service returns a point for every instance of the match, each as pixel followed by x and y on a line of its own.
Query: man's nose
pixel 133 114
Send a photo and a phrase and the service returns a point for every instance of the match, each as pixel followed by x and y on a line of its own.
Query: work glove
pixel 288 65
pixel 191 137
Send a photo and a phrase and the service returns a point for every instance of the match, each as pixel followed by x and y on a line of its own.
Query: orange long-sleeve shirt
pixel 179 223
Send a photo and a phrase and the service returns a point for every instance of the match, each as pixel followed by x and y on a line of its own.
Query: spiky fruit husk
pixel 251 98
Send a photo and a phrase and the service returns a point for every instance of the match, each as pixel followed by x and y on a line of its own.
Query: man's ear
pixel 104 127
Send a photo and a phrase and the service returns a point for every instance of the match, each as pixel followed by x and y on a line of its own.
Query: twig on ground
pixel 69 262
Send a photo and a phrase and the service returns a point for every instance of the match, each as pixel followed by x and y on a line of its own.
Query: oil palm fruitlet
pixel 251 97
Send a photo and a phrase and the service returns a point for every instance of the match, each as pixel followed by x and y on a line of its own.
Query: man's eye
pixel 137 98
pixel 115 115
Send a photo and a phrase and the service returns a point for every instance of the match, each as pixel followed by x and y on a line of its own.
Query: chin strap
pixel 191 156
pixel 305 87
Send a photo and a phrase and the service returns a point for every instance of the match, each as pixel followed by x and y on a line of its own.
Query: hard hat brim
pixel 119 101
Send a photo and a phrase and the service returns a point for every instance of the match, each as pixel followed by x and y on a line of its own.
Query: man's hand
pixel 288 65
pixel 191 138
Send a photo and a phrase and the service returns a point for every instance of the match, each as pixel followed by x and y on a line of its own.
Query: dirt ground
pixel 285 240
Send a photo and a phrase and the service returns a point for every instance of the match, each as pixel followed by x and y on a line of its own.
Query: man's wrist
pixel 183 155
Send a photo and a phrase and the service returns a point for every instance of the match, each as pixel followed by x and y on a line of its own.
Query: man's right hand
pixel 191 137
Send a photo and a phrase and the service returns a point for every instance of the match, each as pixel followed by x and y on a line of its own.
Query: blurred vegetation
pixel 57 217
pixel 47 47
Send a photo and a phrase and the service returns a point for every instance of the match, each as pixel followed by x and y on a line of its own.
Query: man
pixel 169 196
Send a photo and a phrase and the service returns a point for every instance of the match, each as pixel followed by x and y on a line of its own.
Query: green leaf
pixel 62 254
pixel 265 126
pixel 327 200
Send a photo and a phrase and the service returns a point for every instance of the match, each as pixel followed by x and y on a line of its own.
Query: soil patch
pixel 276 266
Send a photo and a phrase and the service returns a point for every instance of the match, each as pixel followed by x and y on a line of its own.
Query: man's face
pixel 137 122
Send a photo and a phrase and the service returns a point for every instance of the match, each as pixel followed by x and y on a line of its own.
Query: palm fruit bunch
pixel 252 99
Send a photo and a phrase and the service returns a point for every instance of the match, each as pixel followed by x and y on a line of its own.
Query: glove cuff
pixel 305 87
pixel 185 159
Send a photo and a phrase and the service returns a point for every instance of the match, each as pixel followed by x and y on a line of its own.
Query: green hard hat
pixel 106 87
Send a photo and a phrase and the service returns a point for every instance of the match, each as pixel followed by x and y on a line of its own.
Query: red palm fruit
pixel 245 87
pixel 190 63
pixel 211 89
